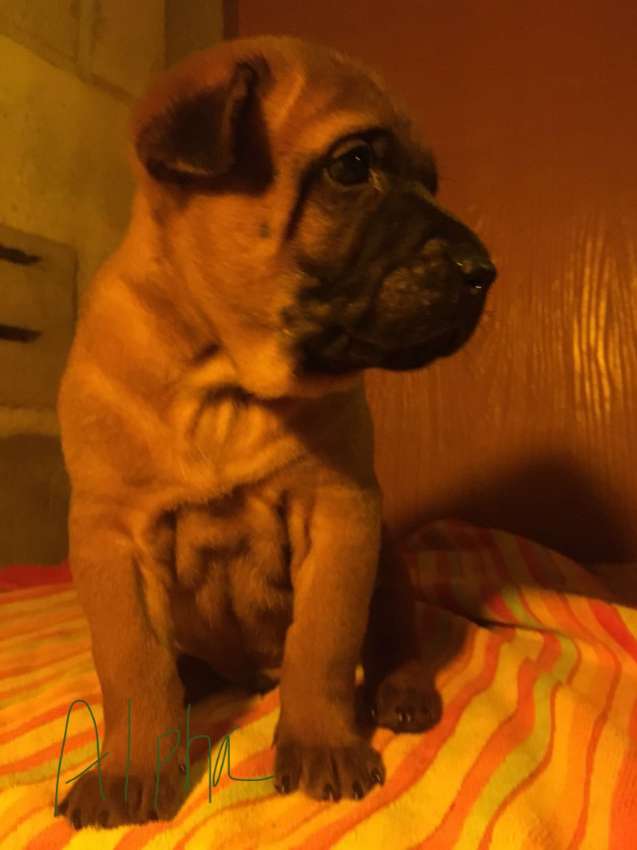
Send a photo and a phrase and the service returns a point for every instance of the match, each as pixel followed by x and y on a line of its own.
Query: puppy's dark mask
pixel 396 281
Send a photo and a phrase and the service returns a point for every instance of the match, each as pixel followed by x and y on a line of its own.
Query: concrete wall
pixel 70 70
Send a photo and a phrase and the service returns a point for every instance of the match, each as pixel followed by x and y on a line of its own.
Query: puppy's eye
pixel 351 167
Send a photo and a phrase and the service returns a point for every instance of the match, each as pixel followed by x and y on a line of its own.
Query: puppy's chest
pixel 223 439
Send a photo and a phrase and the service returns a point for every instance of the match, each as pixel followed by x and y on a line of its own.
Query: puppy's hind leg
pixel 399 688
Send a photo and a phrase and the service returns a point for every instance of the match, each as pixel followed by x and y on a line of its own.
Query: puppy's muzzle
pixel 416 297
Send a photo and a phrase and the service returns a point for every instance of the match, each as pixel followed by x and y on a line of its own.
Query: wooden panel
pixel 531 111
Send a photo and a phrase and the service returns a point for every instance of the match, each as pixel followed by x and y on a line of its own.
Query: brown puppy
pixel 284 237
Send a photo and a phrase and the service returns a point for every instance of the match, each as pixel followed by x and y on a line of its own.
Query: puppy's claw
pixel 404 716
pixel 330 794
pixel 283 787
pixel 357 791
pixel 377 777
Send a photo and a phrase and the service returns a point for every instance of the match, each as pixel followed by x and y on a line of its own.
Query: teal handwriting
pixel 214 773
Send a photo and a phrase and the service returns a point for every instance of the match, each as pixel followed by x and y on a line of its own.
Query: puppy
pixel 284 237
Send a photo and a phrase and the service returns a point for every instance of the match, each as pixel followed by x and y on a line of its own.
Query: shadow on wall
pixel 528 500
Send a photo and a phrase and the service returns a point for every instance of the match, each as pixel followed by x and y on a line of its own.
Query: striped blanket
pixel 536 748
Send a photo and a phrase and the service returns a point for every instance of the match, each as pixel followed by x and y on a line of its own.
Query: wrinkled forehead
pixel 318 99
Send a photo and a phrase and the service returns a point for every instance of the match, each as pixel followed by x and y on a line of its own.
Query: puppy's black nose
pixel 477 271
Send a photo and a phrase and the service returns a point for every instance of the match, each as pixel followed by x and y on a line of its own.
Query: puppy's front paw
pixel 328 772
pixel 84 806
pixel 406 700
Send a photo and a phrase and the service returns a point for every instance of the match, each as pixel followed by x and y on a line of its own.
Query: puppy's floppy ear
pixel 200 137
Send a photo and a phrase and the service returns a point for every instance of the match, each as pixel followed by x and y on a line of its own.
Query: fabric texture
pixel 534 658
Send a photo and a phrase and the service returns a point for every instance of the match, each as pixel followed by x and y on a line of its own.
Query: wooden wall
pixel 532 111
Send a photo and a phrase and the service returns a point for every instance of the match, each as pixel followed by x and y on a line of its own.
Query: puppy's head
pixel 299 218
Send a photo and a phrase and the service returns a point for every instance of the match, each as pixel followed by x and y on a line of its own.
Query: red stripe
pixel 614 626
pixel 18 576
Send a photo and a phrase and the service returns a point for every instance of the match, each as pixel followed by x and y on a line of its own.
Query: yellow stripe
pixel 30 684
pixel 14 804
pixel 245 741
pixel 522 761
pixel 608 759
pixel 15 602
pixel 43 646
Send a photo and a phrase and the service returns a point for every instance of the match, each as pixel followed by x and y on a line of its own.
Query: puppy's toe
pixel 131 802
pixel 329 773
pixel 287 768
pixel 406 704
pixel 358 769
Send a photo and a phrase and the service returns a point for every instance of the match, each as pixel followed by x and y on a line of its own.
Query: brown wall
pixel 532 111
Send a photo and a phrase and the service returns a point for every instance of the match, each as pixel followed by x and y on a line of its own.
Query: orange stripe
pixel 39 630
pixel 40 719
pixel 26 617
pixel 15 599
pixel 53 750
pixel 35 684
pixel 43 659
pixel 496 601
pixel 24 816
pixel 509 735
pixel 623 815
pixel 38 636
pixel 600 720
pixel 607 657
pixel 500 561
pixel 10 597
pixel 54 837
pixel 531 777
pixel 605 653
pixel 613 625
